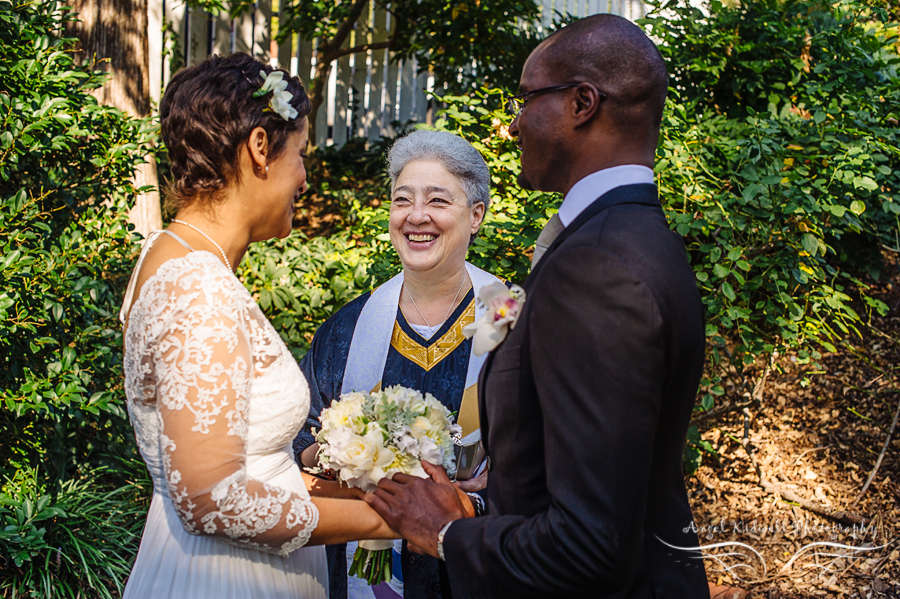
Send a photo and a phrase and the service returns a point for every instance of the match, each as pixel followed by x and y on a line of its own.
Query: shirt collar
pixel 588 189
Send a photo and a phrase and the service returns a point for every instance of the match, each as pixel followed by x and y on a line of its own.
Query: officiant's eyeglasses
pixel 516 104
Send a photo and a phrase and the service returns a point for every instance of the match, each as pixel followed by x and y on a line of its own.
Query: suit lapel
pixel 642 193
pixel 482 407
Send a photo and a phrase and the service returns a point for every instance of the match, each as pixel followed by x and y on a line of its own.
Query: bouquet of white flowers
pixel 367 436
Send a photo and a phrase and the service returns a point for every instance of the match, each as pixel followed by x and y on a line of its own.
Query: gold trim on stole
pixel 429 357
pixel 468 411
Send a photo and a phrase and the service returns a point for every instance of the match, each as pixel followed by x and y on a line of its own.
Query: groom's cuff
pixel 440 540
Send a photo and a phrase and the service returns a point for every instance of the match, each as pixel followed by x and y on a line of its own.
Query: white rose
pixel 421 426
pixel 361 459
pixel 343 412
pixel 402 396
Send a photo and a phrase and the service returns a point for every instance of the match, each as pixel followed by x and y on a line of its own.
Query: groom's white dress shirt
pixel 596 184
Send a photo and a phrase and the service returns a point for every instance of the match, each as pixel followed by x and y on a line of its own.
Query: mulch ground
pixel 816 434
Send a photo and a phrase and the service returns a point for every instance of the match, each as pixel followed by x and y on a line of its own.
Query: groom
pixel 586 403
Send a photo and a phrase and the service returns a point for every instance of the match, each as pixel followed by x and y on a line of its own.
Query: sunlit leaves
pixel 785 162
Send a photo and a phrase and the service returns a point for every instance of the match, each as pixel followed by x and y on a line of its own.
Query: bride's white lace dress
pixel 216 398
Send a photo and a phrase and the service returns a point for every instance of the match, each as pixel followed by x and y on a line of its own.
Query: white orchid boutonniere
pixel 280 102
pixel 504 305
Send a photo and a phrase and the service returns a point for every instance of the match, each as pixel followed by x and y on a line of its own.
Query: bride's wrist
pixel 334 490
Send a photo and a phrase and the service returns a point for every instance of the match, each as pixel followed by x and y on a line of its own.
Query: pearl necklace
pixel 452 304
pixel 208 238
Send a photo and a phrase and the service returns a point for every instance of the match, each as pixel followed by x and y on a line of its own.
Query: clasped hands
pixel 418 508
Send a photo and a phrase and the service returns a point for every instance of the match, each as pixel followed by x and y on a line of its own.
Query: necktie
pixel 549 233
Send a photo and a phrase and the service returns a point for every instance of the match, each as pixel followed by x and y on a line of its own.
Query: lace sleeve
pixel 203 364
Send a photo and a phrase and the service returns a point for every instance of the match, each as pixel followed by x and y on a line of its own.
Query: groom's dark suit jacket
pixel 584 410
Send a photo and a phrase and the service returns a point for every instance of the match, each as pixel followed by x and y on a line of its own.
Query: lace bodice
pixel 212 393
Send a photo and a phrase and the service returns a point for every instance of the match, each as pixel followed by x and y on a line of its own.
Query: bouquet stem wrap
pixel 373 560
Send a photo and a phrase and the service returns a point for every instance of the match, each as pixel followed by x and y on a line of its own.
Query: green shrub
pixel 779 164
pixel 65 167
pixel 82 537
pixel 299 282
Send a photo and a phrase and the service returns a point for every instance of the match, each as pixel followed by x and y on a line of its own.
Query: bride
pixel 213 393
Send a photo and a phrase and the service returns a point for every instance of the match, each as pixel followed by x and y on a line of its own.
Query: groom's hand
pixel 418 508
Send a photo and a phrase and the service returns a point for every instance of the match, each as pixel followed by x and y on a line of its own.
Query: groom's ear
pixel 587 103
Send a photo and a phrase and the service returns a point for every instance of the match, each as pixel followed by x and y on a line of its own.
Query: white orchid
pixel 430 452
pixel 280 102
pixel 503 307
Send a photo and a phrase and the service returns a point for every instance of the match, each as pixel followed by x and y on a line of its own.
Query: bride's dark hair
pixel 208 111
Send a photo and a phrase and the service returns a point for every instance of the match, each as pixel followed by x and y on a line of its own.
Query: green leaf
pixel 810 243
pixel 728 291
pixel 721 271
pixel 857 207
pixel 865 183
pixel 751 191
pixel 68 357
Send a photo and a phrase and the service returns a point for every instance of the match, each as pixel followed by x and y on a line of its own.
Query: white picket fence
pixel 365 93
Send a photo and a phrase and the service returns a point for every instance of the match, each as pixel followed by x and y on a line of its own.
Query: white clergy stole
pixel 372 340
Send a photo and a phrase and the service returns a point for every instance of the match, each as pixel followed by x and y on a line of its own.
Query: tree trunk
pixel 328 51
pixel 113 36
pixel 317 96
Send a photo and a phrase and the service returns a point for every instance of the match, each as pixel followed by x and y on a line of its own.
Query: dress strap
pixel 129 291
pixel 178 239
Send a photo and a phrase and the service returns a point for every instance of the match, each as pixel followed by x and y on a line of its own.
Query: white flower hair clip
pixel 280 102
pixel 504 305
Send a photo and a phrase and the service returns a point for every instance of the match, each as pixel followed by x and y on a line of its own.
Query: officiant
pixel 409 331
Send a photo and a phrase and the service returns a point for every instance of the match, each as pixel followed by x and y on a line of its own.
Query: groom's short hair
pixel 616 56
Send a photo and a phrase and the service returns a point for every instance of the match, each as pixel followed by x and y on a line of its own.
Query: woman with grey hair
pixel 409 331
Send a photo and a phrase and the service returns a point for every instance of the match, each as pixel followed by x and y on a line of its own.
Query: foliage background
pixel 777 163
pixel 71 497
